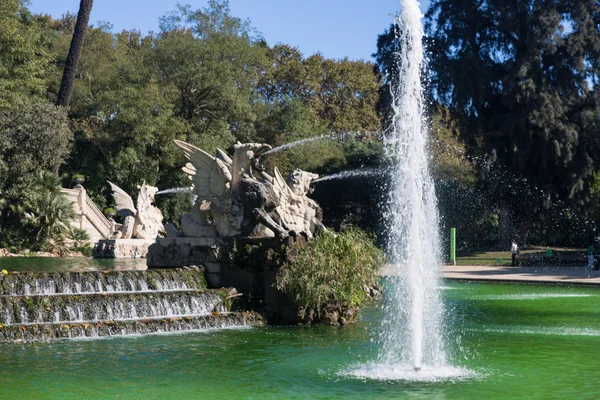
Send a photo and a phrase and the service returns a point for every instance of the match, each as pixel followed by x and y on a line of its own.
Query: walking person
pixel 514 251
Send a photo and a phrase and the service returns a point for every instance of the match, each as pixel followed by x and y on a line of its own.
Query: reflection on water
pixel 56 264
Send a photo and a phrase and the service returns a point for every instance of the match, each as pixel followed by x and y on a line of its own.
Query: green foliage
pixel 35 136
pixel 79 177
pixel 332 269
pixel 341 95
pixel 595 196
pixel 211 62
pixel 522 78
pixel 35 212
pixel 81 241
pixel 448 151
pixel 23 46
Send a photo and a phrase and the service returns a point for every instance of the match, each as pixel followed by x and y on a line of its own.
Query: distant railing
pixel 97 218
pixel 86 208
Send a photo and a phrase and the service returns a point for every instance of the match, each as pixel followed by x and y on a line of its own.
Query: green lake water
pixel 516 341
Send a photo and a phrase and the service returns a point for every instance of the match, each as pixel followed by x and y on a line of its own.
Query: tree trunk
pixel 68 79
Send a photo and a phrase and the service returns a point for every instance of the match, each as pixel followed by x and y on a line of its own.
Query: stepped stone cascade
pixel 45 306
pixel 51 283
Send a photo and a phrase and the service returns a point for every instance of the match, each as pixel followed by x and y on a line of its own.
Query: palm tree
pixel 51 214
pixel 49 211
pixel 68 79
pixel 36 212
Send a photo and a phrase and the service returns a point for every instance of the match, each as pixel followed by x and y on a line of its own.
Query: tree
pixel 341 94
pixel 49 212
pixel 210 61
pixel 35 136
pixel 35 212
pixel 66 85
pixel 522 77
pixel 24 54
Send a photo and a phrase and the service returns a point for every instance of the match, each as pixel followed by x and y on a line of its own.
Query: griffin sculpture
pixel 145 222
pixel 236 198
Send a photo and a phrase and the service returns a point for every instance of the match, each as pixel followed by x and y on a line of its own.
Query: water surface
pixel 518 341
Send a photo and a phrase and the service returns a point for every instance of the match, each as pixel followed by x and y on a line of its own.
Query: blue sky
pixel 336 28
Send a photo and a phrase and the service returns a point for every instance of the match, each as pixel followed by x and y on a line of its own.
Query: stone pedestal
pixel 186 252
pixel 248 264
pixel 122 248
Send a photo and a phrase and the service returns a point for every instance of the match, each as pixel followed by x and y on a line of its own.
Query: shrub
pixel 35 212
pixel 34 136
pixel 81 241
pixel 332 269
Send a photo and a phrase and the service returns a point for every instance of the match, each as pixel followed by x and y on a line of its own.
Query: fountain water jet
pixel 355 173
pixel 411 341
pixel 412 327
pixel 296 143
pixel 175 191
pixel 331 136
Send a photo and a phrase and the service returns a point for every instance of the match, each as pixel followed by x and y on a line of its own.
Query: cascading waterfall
pixel 412 331
pixel 56 305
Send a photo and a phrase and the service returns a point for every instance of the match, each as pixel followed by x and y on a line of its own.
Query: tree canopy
pixel 206 77
pixel 521 77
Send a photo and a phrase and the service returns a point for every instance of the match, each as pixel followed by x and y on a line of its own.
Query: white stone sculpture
pixel 145 222
pixel 297 212
pixel 236 198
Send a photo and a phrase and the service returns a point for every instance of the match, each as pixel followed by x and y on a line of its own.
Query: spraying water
pixel 411 342
pixel 296 143
pixel 331 136
pixel 175 190
pixel 412 331
pixel 355 173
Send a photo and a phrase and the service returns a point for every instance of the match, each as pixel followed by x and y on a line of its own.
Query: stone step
pixel 109 306
pixel 53 331
pixel 49 283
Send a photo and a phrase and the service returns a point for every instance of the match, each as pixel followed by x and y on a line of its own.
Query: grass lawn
pixel 529 256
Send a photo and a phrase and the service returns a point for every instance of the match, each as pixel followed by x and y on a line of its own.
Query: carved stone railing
pixel 97 218
pixel 90 218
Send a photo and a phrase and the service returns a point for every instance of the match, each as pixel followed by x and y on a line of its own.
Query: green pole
pixel 453 245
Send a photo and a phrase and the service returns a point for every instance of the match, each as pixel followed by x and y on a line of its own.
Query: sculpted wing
pixel 210 175
pixel 124 202
pixel 224 157
pixel 281 185
pixel 145 197
pixel 285 194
